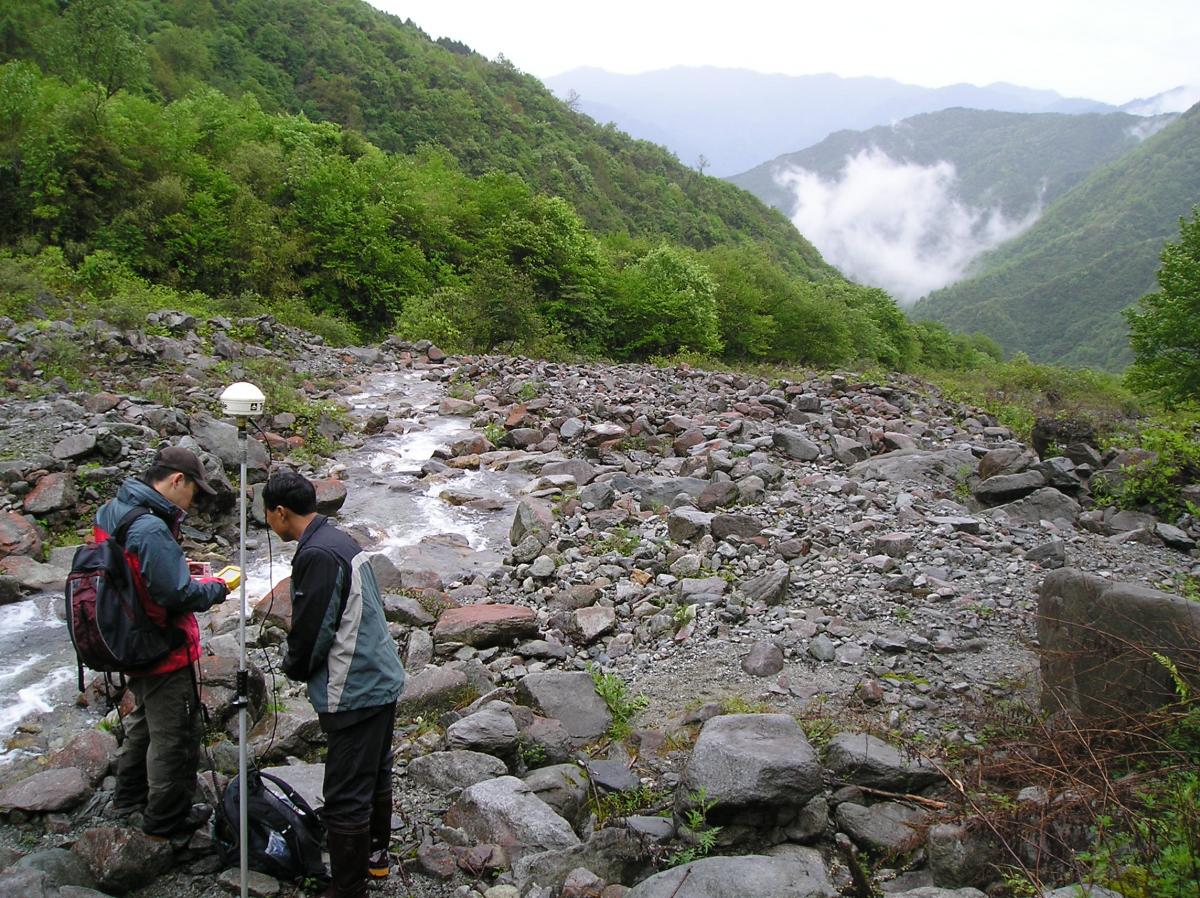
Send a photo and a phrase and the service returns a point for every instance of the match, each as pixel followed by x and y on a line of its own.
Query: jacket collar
pixel 310 531
pixel 135 492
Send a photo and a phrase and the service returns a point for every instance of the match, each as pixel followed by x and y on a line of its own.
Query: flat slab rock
pixel 486 625
pixel 59 789
pixel 736 877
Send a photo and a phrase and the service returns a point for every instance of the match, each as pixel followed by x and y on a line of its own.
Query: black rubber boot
pixel 379 863
pixel 348 863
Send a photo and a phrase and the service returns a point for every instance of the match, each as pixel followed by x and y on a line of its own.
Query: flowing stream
pixel 391 507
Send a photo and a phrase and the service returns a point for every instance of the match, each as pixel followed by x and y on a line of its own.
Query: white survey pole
pixel 242 400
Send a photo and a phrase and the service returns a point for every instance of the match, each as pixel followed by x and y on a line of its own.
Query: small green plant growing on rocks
pixel 683 615
pixel 631 443
pixel 529 390
pixel 533 754
pixel 1186 585
pixel 621 705
pixel 614 805
pixel 962 485
pixel 622 540
pixel 460 387
pixel 696 821
pixel 494 432
pixel 739 704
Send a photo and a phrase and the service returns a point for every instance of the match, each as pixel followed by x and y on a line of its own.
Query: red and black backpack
pixel 104 608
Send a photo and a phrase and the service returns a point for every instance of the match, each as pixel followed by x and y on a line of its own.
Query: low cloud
pixel 1178 99
pixel 896 225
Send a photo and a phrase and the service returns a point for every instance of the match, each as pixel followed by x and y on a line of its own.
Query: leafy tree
pixel 666 303
pixel 97 40
pixel 1165 326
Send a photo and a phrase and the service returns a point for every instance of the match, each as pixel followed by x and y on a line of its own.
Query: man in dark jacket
pixel 339 644
pixel 156 772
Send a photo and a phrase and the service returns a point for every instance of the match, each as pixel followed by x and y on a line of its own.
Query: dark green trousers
pixel 161 753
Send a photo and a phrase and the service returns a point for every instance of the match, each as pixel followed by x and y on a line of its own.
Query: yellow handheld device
pixel 232 575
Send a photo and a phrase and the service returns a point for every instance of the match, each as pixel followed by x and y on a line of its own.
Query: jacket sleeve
pixel 165 569
pixel 317 581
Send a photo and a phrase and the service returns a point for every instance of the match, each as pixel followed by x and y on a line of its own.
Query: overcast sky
pixel 1101 49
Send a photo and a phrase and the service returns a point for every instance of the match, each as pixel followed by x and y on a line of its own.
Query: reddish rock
pixel 52 493
pixel 60 789
pixel 99 403
pixel 479 860
pixel 331 495
pixel 518 416
pixel 91 751
pixel 485 625
pixel 686 441
pixel 18 536
pixel 123 859
pixel 275 608
pixel 436 861
pixel 598 434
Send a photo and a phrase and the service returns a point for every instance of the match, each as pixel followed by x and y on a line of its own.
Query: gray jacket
pixel 339 641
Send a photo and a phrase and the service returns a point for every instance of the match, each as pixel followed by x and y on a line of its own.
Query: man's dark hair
pixel 157 474
pixel 292 491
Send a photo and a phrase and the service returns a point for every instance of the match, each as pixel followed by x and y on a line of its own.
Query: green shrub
pixel 621 705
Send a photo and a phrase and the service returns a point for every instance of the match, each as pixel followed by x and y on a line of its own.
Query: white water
pixel 36 660
pixel 387 501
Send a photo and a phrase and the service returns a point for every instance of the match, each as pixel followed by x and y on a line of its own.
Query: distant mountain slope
pixel 737 118
pixel 1008 160
pixel 344 61
pixel 1056 292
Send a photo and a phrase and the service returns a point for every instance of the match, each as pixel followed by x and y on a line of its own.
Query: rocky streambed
pixel 797 576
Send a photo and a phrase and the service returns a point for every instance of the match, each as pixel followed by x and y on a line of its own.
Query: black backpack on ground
pixel 108 624
pixel 283 833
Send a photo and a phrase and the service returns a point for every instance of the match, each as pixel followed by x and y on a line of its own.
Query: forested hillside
pixel 344 61
pixel 1057 291
pixel 1010 161
pixel 497 217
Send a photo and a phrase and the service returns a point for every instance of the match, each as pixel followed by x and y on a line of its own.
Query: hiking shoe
pixel 379 865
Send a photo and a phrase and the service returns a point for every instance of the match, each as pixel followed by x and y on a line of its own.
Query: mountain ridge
pixel 748 133
pixel 1057 291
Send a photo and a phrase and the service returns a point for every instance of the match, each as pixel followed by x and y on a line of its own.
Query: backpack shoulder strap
pixel 289 793
pixel 122 529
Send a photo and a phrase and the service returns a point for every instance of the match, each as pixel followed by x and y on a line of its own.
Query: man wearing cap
pixel 156 772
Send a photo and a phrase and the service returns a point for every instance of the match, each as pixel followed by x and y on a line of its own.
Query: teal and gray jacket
pixel 339 642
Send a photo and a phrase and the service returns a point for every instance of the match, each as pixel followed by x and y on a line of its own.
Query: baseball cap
pixel 186 462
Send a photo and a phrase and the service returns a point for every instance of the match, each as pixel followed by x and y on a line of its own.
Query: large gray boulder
pixel 736 877
pixel 491 730
pixel 221 439
pixel 1046 504
pixel 864 760
pixel 446 771
pixel 613 854
pixel 505 812
pixel 569 697
pixel 917 466
pixel 885 828
pixel 1099 640
pixel 62 868
pixel 795 444
pixel 755 771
